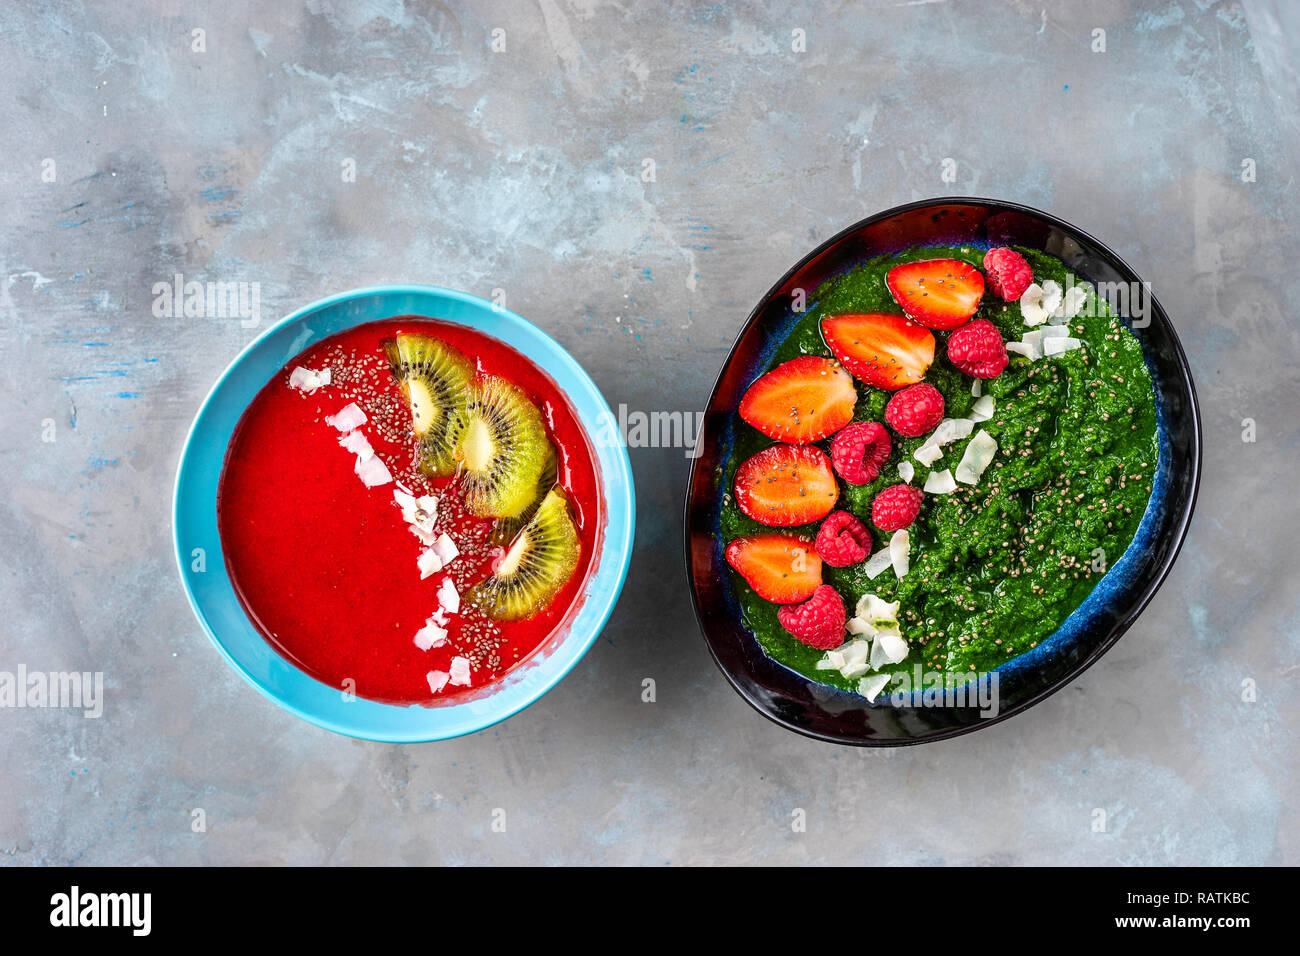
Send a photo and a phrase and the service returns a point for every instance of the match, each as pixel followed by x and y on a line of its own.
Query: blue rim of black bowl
pixel 701 507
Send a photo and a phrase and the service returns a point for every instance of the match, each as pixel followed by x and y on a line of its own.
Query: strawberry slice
pixel 887 351
pixel 781 568
pixel 787 485
pixel 939 293
pixel 801 400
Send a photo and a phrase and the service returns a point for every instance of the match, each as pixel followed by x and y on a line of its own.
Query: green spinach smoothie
pixel 996 566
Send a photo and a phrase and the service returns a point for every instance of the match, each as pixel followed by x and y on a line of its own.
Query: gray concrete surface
pixel 521 170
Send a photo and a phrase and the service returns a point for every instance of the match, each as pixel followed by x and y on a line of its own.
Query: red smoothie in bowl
pixel 409 510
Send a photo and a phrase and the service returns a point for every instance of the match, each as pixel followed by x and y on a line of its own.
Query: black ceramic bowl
pixel 832 715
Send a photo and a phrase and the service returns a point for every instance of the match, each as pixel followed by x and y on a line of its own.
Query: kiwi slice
pixel 505 529
pixel 539 562
pixel 500 446
pixel 436 379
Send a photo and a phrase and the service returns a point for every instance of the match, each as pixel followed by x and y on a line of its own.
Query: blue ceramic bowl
pixel 194 520
pixel 835 716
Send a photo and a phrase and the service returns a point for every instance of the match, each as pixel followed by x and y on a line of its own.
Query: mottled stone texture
pixel 522 170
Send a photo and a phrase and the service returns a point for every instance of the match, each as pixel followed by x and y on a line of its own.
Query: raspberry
pixel 818 621
pixel 976 348
pixel 1008 273
pixel 896 507
pixel 843 540
pixel 915 410
pixel 859 451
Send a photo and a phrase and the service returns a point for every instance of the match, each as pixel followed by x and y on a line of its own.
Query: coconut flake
pixel 1054 331
pixel 928 453
pixel 940 483
pixel 899 546
pixel 1072 304
pixel 877 563
pixel 983 408
pixel 304 379
pixel 977 389
pixel 855 652
pixel 1031 305
pixel 1061 344
pixel 420 513
pixel 1052 296
pixel 860 626
pixel 446 549
pixel 437 680
pixel 893 647
pixel 876 609
pixel 832 660
pixel 431 635
pixel 373 471
pixel 950 430
pixel 460 671
pixel 849 659
pixel 1030 345
pixel 870 687
pixel 356 442
pixel 906 471
pixel 878 656
pixel 855 670
pixel 308 380
pixel 978 456
pixel 429 562
pixel 350 416
pixel 448 596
